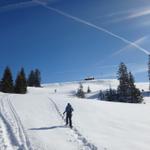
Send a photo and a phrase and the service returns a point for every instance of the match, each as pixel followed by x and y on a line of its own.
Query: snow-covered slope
pixel 35 120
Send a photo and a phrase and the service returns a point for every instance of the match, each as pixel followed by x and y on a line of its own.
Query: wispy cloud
pixel 129 15
pixel 117 14
pixel 17 5
pixel 141 13
pixel 44 2
pixel 140 68
pixel 24 4
pixel 129 46
pixel 93 26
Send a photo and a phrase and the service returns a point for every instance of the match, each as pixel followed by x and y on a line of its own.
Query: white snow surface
pixel 34 121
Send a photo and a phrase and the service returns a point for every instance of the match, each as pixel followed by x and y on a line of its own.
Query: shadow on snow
pixel 48 128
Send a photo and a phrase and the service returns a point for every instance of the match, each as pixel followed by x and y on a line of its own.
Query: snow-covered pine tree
pixel 101 95
pixel 111 95
pixel 135 94
pixel 81 86
pixel 127 91
pixel 7 81
pixel 88 90
pixel 123 94
pixel 80 93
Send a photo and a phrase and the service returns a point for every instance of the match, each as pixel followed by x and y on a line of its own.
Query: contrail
pixel 17 5
pixel 129 46
pixel 128 14
pixel 93 26
pixel 125 48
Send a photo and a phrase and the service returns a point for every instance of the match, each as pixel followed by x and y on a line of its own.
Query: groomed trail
pixel 13 135
pixel 47 133
pixel 87 145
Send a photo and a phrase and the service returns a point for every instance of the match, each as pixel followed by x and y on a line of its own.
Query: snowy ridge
pixel 14 127
pixel 97 84
pixel 87 145
pixel 97 81
pixel 70 88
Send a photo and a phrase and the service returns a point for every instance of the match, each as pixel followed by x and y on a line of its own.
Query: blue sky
pixel 70 40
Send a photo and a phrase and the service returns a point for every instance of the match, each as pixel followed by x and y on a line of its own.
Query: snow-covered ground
pixel 34 121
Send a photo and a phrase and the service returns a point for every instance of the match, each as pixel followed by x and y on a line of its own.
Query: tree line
pixel 125 92
pixel 80 92
pixel 7 85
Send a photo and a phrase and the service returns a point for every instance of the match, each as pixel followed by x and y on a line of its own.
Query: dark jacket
pixel 68 109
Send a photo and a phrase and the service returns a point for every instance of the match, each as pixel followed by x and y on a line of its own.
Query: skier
pixel 68 111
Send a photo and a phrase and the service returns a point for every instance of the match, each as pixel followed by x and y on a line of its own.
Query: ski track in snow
pixel 14 129
pixel 3 145
pixel 86 144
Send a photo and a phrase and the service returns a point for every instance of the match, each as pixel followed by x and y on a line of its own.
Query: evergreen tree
pixel 111 95
pixel 34 78
pixel 123 83
pixel 21 83
pixel 81 86
pixel 135 94
pixel 127 92
pixel 88 90
pixel 80 93
pixel 37 81
pixel 7 81
pixel 31 78
pixel 101 95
